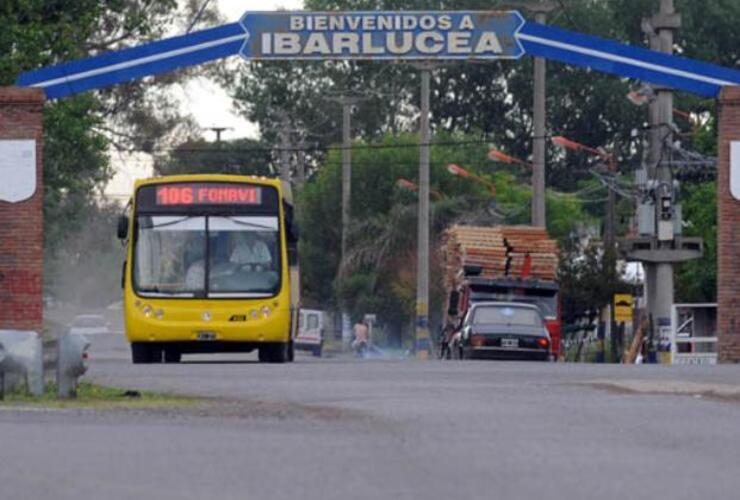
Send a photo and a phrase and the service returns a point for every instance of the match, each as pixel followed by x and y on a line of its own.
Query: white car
pixel 89 324
pixel 310 331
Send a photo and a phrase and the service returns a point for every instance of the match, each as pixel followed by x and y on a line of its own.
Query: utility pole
pixel 284 150
pixel 660 298
pixel 660 245
pixel 347 104
pixel 540 10
pixel 423 343
pixel 346 101
pixel 219 131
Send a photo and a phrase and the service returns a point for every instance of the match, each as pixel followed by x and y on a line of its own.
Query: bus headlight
pixel 159 313
pixel 253 313
pixel 266 311
pixel 147 310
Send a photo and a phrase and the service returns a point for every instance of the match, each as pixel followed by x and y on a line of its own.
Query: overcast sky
pixel 210 105
pixel 206 101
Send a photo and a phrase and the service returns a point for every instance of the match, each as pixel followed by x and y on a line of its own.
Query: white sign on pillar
pixel 735 169
pixel 17 169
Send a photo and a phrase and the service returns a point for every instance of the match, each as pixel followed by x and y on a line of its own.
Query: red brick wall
pixel 21 224
pixel 728 244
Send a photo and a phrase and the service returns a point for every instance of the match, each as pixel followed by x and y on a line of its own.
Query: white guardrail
pixel 694 334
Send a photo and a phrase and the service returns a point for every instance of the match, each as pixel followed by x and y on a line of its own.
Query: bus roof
pixel 266 181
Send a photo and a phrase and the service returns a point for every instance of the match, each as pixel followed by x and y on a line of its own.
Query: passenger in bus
pixel 251 252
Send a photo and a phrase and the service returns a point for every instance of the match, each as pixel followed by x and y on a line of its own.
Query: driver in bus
pixel 250 252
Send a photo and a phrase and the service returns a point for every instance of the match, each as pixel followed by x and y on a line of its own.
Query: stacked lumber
pixel 499 251
pixel 533 241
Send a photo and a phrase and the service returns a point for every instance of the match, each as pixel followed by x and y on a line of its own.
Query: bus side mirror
pixel 452 306
pixel 122 227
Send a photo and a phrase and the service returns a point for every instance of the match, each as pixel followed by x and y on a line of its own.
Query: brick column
pixel 21 223
pixel 728 233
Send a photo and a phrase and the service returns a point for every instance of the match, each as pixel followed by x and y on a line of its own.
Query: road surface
pixel 342 428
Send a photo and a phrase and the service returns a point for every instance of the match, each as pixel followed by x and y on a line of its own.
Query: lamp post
pixel 402 183
pixel 496 155
pixel 461 172
pixel 611 162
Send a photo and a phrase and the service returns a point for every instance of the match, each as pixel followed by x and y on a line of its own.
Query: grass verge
pixel 95 396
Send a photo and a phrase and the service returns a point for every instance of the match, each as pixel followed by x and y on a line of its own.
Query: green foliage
pixel 588 280
pixel 697 280
pixel 380 273
pixel 80 130
pixel 242 156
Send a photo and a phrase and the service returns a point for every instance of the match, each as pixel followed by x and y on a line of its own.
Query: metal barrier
pixel 71 363
pixel 21 361
pixel 694 334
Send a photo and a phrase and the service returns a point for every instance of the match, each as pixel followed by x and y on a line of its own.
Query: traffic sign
pixel 623 307
pixel 423 35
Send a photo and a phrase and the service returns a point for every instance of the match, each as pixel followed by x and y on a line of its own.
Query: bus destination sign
pixel 382 35
pixel 208 194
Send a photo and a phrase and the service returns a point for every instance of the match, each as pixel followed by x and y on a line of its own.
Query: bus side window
pixel 291 234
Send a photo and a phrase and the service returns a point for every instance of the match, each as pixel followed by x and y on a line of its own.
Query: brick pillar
pixel 728 232
pixel 21 223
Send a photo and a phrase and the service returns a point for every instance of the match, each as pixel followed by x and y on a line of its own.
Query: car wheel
pixel 317 351
pixel 172 355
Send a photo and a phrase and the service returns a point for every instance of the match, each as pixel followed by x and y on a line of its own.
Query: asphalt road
pixel 357 429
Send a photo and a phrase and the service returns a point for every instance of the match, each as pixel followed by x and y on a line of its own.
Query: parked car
pixel 502 330
pixel 311 324
pixel 89 324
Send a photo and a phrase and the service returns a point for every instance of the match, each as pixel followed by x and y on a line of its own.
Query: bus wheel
pixel 275 352
pixel 145 353
pixel 172 356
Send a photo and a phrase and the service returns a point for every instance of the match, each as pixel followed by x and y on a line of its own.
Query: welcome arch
pixel 412 36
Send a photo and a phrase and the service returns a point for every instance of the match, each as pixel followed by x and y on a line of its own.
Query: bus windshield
pixel 207 256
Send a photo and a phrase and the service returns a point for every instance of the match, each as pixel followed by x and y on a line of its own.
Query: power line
pixel 198 15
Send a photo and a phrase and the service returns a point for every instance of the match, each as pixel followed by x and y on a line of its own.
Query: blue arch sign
pixel 382 35
pixel 400 36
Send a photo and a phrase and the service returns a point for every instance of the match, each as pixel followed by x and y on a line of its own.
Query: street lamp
pixel 496 155
pixel 402 183
pixel 461 172
pixel 609 225
pixel 566 143
pixel 609 229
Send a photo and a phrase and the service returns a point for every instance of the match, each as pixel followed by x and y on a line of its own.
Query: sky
pixel 209 104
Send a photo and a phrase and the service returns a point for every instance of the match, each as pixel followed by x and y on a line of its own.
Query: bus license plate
pixel 206 335
pixel 509 342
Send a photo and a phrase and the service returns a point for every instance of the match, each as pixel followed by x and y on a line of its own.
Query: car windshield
pixel 242 252
pixel 504 315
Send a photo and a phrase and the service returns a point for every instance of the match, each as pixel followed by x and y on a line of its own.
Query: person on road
pixel 361 334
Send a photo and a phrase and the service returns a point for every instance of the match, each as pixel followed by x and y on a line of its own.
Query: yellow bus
pixel 211 266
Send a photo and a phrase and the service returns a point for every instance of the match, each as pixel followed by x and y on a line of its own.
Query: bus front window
pixel 244 256
pixel 169 255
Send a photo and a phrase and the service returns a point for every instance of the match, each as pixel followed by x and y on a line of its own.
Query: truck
pixel 506 264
